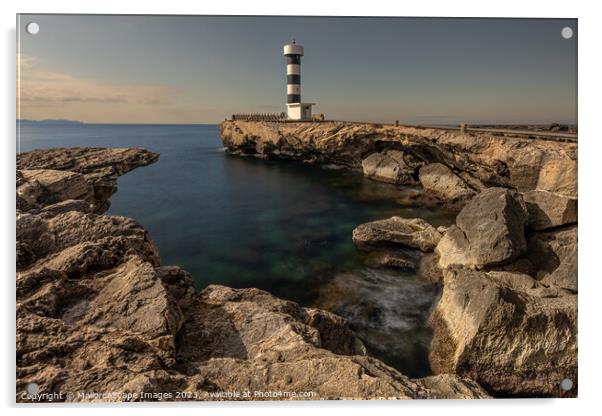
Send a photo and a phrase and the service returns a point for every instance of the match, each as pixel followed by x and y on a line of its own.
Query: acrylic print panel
pixel 295 208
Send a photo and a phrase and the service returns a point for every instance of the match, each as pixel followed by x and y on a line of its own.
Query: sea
pixel 281 226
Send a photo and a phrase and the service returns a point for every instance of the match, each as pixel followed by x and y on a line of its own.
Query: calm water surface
pixel 284 227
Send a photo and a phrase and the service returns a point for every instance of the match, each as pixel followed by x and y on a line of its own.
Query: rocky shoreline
pixel 507 317
pixel 99 318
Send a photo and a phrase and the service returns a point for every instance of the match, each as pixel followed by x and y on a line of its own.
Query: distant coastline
pixel 51 121
pixel 60 122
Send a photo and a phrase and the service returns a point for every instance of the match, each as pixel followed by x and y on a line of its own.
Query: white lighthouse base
pixel 299 111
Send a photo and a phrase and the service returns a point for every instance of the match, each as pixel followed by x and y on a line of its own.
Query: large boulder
pixel 414 233
pixel 393 166
pixel 505 330
pixel 554 257
pixel 549 210
pixel 489 231
pixel 439 180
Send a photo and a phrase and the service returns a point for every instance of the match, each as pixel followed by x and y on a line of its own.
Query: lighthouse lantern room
pixel 296 110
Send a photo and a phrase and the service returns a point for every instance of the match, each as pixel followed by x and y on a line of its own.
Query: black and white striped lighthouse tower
pixel 296 110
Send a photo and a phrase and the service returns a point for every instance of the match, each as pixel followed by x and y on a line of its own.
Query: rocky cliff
pixel 100 319
pixel 507 317
pixel 467 162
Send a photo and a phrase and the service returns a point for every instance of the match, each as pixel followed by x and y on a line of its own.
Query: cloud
pixel 44 94
pixel 40 87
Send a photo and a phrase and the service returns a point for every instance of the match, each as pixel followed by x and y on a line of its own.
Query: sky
pixel 202 69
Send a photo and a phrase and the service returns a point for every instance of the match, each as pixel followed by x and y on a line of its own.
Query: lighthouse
pixel 296 110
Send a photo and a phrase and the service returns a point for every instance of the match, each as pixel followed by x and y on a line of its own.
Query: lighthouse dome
pixel 293 49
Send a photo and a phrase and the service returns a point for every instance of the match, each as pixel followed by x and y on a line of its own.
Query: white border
pixel 590 184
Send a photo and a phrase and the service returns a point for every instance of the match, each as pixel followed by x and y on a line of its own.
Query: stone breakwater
pixel 99 318
pixel 507 317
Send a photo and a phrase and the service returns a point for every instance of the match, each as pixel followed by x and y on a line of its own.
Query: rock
pixel 428 268
pixel 472 182
pixel 52 175
pixel 65 206
pixel 98 162
pixel 75 227
pixel 509 161
pixel 33 236
pixel 391 166
pixel 453 387
pixel 412 233
pixel 439 180
pixel 489 231
pixel 559 176
pixel 57 185
pixel 28 192
pixel 521 265
pixel 505 331
pixel 549 210
pixel 554 256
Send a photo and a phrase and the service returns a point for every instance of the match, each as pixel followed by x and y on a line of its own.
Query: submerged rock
pixel 439 180
pixel 505 330
pixel 489 231
pixel 396 259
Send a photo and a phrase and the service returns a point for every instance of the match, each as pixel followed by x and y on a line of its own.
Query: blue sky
pixel 201 69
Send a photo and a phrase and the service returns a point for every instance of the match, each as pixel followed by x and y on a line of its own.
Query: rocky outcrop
pixel 489 231
pixel 100 319
pixel 88 174
pixel 507 331
pixel 521 163
pixel 439 180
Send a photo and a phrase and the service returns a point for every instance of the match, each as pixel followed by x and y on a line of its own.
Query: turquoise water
pixel 284 227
